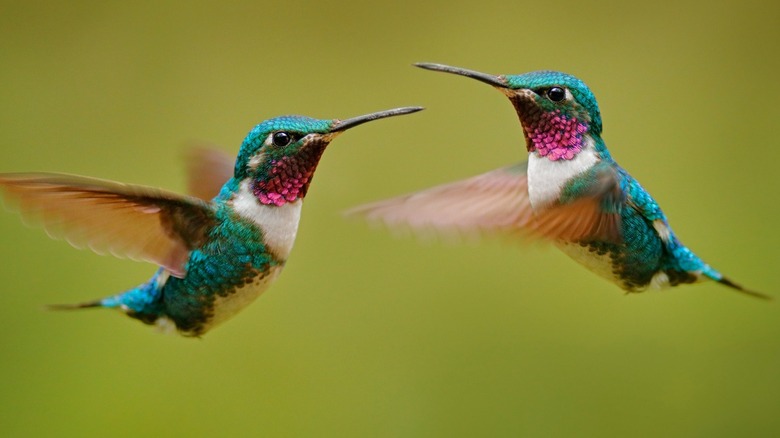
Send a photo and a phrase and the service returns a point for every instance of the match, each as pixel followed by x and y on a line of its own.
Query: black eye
pixel 281 139
pixel 556 94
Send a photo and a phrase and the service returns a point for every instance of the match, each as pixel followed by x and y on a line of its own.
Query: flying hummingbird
pixel 215 256
pixel 570 192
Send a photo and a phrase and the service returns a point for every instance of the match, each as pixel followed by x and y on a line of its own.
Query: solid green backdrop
pixel 367 334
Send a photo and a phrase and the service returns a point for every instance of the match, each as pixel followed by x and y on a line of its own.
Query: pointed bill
pixel 496 81
pixel 343 125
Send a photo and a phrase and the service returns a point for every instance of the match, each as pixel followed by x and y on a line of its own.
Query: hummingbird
pixel 215 256
pixel 570 192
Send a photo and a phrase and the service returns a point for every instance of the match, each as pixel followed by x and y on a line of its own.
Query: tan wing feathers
pixel 124 220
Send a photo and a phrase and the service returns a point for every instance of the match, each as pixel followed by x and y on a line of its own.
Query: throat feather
pixel 556 136
pixel 278 224
pixel 546 178
pixel 287 179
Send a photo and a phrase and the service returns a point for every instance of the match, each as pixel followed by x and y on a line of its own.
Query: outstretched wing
pixel 589 207
pixel 140 223
pixel 208 169
pixel 494 202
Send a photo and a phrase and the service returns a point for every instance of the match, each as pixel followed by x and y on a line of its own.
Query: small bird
pixel 215 256
pixel 570 192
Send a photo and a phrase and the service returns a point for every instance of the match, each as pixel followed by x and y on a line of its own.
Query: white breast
pixel 599 264
pixel 546 178
pixel 226 307
pixel 278 224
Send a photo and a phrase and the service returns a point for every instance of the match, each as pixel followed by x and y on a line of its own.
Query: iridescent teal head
pixel 556 109
pixel 280 155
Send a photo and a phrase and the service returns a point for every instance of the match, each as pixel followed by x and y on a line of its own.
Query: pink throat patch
pixel 556 136
pixel 288 180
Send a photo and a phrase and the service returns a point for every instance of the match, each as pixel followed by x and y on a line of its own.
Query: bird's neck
pixel 283 180
pixel 547 177
pixel 272 196
pixel 555 135
pixel 278 223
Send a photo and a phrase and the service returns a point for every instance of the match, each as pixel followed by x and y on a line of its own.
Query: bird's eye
pixel 556 94
pixel 281 139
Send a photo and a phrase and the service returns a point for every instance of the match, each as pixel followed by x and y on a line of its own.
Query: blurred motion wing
pixel 128 221
pixel 589 208
pixel 208 169
pixel 494 202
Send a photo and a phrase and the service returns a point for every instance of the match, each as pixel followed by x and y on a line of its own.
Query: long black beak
pixel 496 81
pixel 342 125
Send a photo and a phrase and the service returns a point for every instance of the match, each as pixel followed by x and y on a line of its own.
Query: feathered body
pixel 570 192
pixel 219 248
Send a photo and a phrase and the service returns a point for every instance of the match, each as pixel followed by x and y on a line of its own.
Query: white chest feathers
pixel 279 224
pixel 226 307
pixel 546 178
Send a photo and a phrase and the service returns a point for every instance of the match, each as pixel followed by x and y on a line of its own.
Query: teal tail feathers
pixel 136 300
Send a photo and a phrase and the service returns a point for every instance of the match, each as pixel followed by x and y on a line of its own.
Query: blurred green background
pixel 366 334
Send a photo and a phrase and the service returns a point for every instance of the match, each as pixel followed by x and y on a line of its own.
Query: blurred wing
pixel 140 223
pixel 581 220
pixel 495 202
pixel 589 208
pixel 208 169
